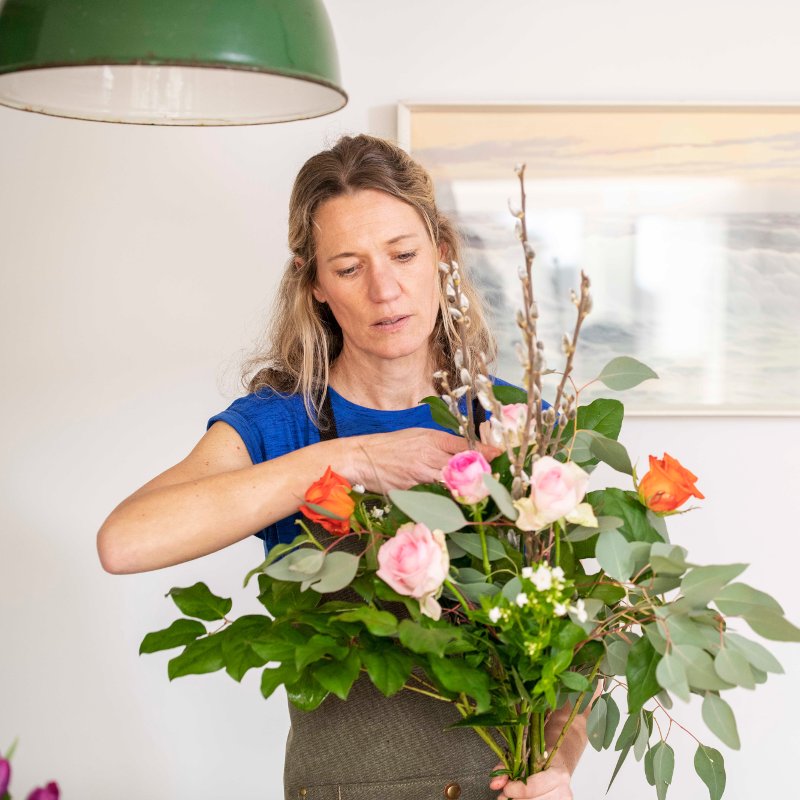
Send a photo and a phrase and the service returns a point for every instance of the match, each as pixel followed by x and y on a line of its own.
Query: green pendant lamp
pixel 170 62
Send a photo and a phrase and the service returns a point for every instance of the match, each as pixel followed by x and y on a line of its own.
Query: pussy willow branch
pixel 527 321
pixel 584 304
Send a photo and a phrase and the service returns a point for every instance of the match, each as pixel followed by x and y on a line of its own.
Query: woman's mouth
pixel 391 323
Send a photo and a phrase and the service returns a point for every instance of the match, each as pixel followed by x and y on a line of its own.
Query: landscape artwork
pixel 685 218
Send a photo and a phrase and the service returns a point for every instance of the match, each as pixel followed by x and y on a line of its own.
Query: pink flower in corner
pixel 463 476
pixel 49 792
pixel 415 563
pixel 5 775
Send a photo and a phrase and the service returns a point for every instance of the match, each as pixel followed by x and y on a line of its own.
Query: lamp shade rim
pixel 20 103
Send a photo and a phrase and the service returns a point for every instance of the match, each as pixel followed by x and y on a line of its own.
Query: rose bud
pixel 5 775
pixel 463 476
pixel 49 792
pixel 331 493
pixel 667 485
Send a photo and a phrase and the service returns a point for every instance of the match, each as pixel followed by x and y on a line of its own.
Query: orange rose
pixel 331 493
pixel 667 485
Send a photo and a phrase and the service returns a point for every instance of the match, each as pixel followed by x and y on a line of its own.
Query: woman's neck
pixel 388 385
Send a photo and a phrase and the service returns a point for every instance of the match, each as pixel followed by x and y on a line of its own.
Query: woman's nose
pixel 383 283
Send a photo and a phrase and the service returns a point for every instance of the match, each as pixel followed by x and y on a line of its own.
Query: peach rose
pixel 463 476
pixel 415 563
pixel 667 485
pixel 331 493
pixel 556 491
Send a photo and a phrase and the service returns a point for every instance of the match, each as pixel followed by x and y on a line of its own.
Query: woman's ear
pixel 443 251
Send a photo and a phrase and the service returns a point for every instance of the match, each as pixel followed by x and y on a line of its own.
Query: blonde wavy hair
pixel 303 338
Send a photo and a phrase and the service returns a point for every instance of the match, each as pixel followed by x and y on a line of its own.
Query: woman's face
pixel 378 271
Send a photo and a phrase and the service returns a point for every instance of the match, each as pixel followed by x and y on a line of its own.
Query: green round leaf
pixel 431 509
pixel 718 715
pixel 625 372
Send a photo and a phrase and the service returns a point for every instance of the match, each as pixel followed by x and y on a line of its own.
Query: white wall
pixel 137 263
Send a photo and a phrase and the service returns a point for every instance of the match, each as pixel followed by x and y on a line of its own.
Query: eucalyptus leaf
pixel 755 653
pixel 717 714
pixel 276 551
pixel 581 451
pixel 596 723
pixel 614 555
pixel 501 496
pixel 612 720
pixel 703 584
pixel 471 543
pixel 663 760
pixel 642 739
pixel 699 668
pixel 668 559
pixel 710 767
pixel 512 588
pixel 432 510
pixel 737 599
pixel 612 453
pixel 580 532
pixel 338 571
pixel 773 626
pixel 616 658
pixel 624 372
pixel 299 565
pixel 734 668
pixel 671 675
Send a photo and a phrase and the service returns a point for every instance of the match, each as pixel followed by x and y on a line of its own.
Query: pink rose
pixel 463 476
pixel 556 491
pixel 415 563
pixel 510 423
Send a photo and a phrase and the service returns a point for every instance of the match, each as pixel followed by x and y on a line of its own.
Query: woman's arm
pixel 216 496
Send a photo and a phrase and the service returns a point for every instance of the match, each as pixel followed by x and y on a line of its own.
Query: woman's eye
pixel 345 273
pixel 406 256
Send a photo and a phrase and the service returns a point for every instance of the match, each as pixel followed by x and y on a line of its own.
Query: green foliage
pixel 614 554
pixel 431 509
pixel 181 632
pixel 718 715
pixel 636 526
pixel 197 601
pixel 441 414
pixel 338 677
pixel 388 667
pixel 641 674
pixel 624 372
pixel 198 657
pixel 710 767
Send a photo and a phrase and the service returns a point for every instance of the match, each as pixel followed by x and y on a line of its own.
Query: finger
pixel 551 784
pixel 500 781
pixel 560 793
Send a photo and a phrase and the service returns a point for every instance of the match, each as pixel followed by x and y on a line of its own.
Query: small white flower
pixel 579 609
pixel 527 572
pixel 358 488
pixel 521 599
pixel 542 578
pixel 558 574
pixel 495 614
pixel 560 609
pixel 377 513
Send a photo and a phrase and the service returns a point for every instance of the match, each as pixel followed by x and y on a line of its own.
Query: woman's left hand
pixel 552 784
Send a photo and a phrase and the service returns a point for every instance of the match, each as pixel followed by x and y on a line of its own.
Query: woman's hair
pixel 303 338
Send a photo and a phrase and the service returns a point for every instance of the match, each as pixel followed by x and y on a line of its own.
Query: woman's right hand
pixel 401 459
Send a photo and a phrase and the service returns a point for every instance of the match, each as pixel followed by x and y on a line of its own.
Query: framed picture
pixel 685 218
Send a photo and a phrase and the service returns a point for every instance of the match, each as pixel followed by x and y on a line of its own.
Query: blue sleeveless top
pixel 273 424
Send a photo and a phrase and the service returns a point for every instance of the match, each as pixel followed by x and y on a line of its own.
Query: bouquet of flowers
pixel 522 590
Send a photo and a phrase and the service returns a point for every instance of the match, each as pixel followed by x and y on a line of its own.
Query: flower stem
pixel 451 586
pixel 487 567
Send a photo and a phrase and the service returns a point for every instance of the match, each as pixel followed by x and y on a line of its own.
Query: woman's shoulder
pixel 270 422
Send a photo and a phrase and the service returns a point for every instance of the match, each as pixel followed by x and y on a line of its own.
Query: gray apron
pixel 372 747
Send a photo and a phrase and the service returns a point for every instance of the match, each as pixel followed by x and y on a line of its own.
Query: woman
pixel 358 331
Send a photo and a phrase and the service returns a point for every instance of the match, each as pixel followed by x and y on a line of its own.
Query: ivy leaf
pixel 306 693
pixel 710 767
pixel 339 676
pixel 199 657
pixel 377 622
pixel 431 509
pixel 423 640
pixel 181 632
pixel 273 677
pixel 641 674
pixel 388 668
pixel 198 601
pixel 316 648
pixel 624 372
pixel 441 414
pixel 237 649
pixel 718 715
pixel 456 676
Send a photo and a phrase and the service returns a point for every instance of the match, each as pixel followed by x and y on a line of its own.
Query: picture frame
pixel 685 217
